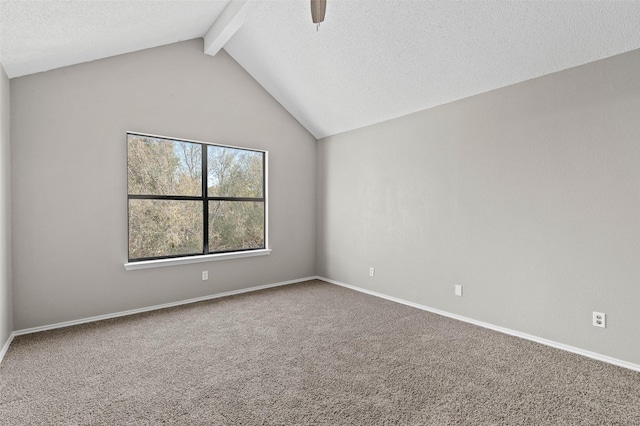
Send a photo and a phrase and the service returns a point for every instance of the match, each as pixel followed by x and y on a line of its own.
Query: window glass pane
pixel 236 225
pixel 234 172
pixel 164 228
pixel 163 167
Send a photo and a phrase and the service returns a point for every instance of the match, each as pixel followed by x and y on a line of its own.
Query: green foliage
pixel 164 227
pixel 234 172
pixel 172 227
pixel 235 225
pixel 161 167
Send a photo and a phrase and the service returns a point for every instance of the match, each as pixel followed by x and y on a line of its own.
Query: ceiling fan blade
pixel 318 8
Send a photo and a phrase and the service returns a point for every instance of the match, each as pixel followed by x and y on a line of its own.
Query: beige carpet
pixel 309 353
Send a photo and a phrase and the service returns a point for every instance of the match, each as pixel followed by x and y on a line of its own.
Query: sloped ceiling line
pixel 370 61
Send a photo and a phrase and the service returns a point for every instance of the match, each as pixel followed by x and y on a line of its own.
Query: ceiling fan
pixel 318 8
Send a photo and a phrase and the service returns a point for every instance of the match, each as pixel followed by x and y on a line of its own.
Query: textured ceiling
pixel 41 35
pixel 370 61
pixel 373 60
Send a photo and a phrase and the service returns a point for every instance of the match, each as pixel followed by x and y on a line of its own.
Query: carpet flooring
pixel 307 353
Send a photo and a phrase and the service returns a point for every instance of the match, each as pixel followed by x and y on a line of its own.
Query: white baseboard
pixel 5 348
pixel 562 346
pixel 572 349
pixel 150 308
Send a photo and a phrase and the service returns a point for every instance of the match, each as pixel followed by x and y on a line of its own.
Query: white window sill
pixel 145 264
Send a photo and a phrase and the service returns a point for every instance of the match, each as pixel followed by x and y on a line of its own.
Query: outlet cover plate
pixel 599 319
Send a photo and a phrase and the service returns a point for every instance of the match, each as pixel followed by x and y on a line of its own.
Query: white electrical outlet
pixel 205 275
pixel 599 320
pixel 457 290
pixel 372 272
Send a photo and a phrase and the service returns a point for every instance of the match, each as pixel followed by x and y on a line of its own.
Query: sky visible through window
pixel 166 204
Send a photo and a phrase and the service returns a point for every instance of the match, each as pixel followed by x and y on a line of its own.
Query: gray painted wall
pixel 528 196
pixel 69 179
pixel 6 312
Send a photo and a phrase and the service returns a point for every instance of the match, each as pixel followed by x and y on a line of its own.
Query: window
pixel 191 198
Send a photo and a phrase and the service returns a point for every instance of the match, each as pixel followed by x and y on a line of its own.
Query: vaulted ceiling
pixel 370 61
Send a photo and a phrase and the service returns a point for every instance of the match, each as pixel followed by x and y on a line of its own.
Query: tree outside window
pixel 191 198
